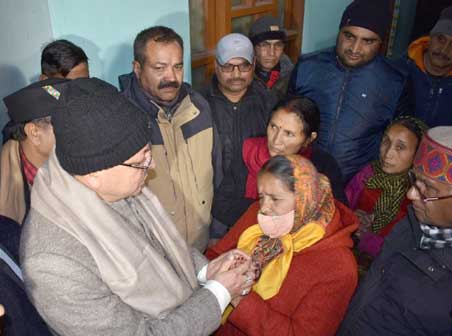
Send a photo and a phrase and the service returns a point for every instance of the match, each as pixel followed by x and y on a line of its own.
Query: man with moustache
pixel 356 89
pixel 240 108
pixel 408 289
pixel 429 65
pixel 183 141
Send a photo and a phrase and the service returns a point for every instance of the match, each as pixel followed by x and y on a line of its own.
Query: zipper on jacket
pixel 166 158
pixel 338 110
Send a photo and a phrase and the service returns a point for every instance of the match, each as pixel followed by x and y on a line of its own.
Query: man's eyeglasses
pixel 413 178
pixel 278 46
pixel 243 67
pixel 143 167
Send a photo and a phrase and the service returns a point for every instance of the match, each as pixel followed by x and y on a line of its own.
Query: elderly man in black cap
pixel 429 65
pixel 29 110
pixel 356 90
pixel 273 67
pixel 100 255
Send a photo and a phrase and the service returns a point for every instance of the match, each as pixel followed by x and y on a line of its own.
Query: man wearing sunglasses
pixel 408 290
pixel 240 108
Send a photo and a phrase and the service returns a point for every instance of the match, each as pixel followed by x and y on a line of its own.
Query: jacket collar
pixel 443 255
pixel 129 83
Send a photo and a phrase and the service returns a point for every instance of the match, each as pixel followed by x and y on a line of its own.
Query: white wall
pixel 321 23
pixel 24 29
pixel 106 29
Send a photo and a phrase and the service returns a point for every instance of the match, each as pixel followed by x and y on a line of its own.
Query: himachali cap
pixel 444 24
pixel 434 156
pixel 232 46
pixel 34 101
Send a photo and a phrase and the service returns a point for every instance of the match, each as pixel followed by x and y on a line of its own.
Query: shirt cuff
pixel 202 275
pixel 220 292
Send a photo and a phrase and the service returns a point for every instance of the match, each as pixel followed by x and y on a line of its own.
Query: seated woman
pixel 292 129
pixel 306 272
pixel 378 192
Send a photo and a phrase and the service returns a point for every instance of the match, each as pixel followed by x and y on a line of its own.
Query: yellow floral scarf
pixel 314 210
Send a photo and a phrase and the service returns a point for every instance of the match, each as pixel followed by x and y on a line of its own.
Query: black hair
pixel 280 167
pixel 415 125
pixel 60 57
pixel 159 34
pixel 305 108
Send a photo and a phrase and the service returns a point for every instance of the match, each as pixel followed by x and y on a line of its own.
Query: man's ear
pixel 43 77
pixel 136 68
pixel 32 132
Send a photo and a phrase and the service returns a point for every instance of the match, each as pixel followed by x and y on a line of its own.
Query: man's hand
pixel 226 261
pixel 365 221
pixel 238 281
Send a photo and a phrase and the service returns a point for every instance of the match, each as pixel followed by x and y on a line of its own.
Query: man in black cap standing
pixel 356 90
pixel 29 110
pixel 429 66
pixel 273 67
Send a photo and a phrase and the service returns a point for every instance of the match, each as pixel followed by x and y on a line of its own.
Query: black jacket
pixel 236 122
pixel 327 165
pixel 21 319
pixel 408 290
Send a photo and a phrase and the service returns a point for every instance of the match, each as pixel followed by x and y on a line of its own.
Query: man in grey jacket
pixel 99 253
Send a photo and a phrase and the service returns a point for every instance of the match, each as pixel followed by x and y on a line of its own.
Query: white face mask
pixel 276 226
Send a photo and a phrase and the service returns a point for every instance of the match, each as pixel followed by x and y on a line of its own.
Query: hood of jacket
pixel 416 52
pixel 338 231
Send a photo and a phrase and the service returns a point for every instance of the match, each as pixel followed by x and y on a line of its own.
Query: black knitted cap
pixel 97 128
pixel 34 101
pixel 369 14
pixel 266 28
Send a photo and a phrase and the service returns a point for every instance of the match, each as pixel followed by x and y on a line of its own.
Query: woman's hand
pixel 365 221
pixel 226 261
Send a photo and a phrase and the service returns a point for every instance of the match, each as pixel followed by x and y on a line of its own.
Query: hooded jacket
pixel 186 152
pixel 430 97
pixel 316 291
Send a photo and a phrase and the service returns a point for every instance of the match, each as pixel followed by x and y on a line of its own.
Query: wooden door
pixel 212 19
